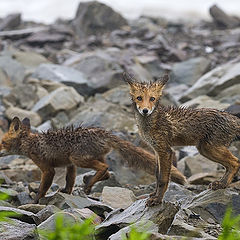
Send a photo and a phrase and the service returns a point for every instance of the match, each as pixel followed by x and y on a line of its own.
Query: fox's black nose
pixel 145 110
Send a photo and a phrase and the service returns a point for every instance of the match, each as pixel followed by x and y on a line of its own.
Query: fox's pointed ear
pixel 163 80
pixel 15 125
pixel 26 123
pixel 128 78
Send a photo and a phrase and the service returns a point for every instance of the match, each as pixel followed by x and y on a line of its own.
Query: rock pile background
pixel 70 72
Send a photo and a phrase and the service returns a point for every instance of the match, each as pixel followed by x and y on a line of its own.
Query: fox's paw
pixel 65 190
pixel 153 194
pixel 87 190
pixel 217 185
pixel 87 179
pixel 153 201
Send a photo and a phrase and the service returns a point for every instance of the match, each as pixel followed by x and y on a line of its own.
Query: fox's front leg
pixel 164 162
pixel 46 182
pixel 70 179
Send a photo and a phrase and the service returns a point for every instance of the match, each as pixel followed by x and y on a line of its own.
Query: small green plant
pixel 81 231
pixel 134 234
pixel 4 215
pixel 231 226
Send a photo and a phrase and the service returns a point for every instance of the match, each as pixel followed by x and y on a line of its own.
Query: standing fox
pixel 210 130
pixel 80 147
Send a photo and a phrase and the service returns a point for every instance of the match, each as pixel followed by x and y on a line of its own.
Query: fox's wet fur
pixel 74 147
pixel 210 130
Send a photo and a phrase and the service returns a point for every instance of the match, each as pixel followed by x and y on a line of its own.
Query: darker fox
pixel 210 130
pixel 79 147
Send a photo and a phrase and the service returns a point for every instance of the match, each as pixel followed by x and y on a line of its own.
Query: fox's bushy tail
pixel 139 158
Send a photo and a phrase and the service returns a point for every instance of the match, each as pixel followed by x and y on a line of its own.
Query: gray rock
pixel 60 120
pixel 22 96
pixel 161 215
pixel 117 197
pixel 198 164
pixel 213 204
pixel 152 64
pixel 13 68
pixel 204 101
pixel 145 226
pixel 29 59
pixel 189 71
pixel 50 223
pixel 102 70
pixel 104 114
pixel 63 98
pixel 19 214
pixel 16 230
pixel 229 95
pixel 184 225
pixel 213 82
pixel 98 187
pixel 119 95
pixel 46 212
pixel 4 81
pixel 10 22
pixel 63 201
pixel 44 126
pixel 34 117
pixel 24 198
pixel 34 208
pixel 65 75
pixel 96 18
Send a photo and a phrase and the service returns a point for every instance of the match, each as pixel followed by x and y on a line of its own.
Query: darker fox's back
pixel 57 145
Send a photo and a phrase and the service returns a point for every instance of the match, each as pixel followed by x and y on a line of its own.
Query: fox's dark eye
pixel 3 142
pixel 152 99
pixel 139 98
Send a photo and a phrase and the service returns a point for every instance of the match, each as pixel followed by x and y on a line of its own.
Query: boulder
pixel 189 71
pixel 21 215
pixel 96 18
pixel 198 164
pixel 34 117
pixel 23 96
pixel 29 59
pixel 103 70
pixel 65 75
pixel 161 215
pixel 63 98
pixel 145 226
pixel 117 197
pixel 98 187
pixel 15 230
pixel 213 204
pixel 215 81
pixel 10 22
pixel 204 101
pixel 14 70
pixel 229 95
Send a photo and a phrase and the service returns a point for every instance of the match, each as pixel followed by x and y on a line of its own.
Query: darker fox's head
pixel 145 95
pixel 11 141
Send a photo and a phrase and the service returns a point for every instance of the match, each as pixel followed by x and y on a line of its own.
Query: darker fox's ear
pixel 163 80
pixel 128 78
pixel 26 123
pixel 15 125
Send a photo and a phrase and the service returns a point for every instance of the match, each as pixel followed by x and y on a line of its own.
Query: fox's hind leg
pixel 101 174
pixel 46 182
pixel 222 155
pixel 101 171
pixel 70 179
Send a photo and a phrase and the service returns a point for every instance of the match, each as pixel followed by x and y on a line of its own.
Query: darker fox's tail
pixel 139 158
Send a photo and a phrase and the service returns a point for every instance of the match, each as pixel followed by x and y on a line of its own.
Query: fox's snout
pixel 145 111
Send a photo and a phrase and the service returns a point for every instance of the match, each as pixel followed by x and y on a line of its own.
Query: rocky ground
pixel 70 72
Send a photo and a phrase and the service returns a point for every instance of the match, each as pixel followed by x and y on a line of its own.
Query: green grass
pixel 231 226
